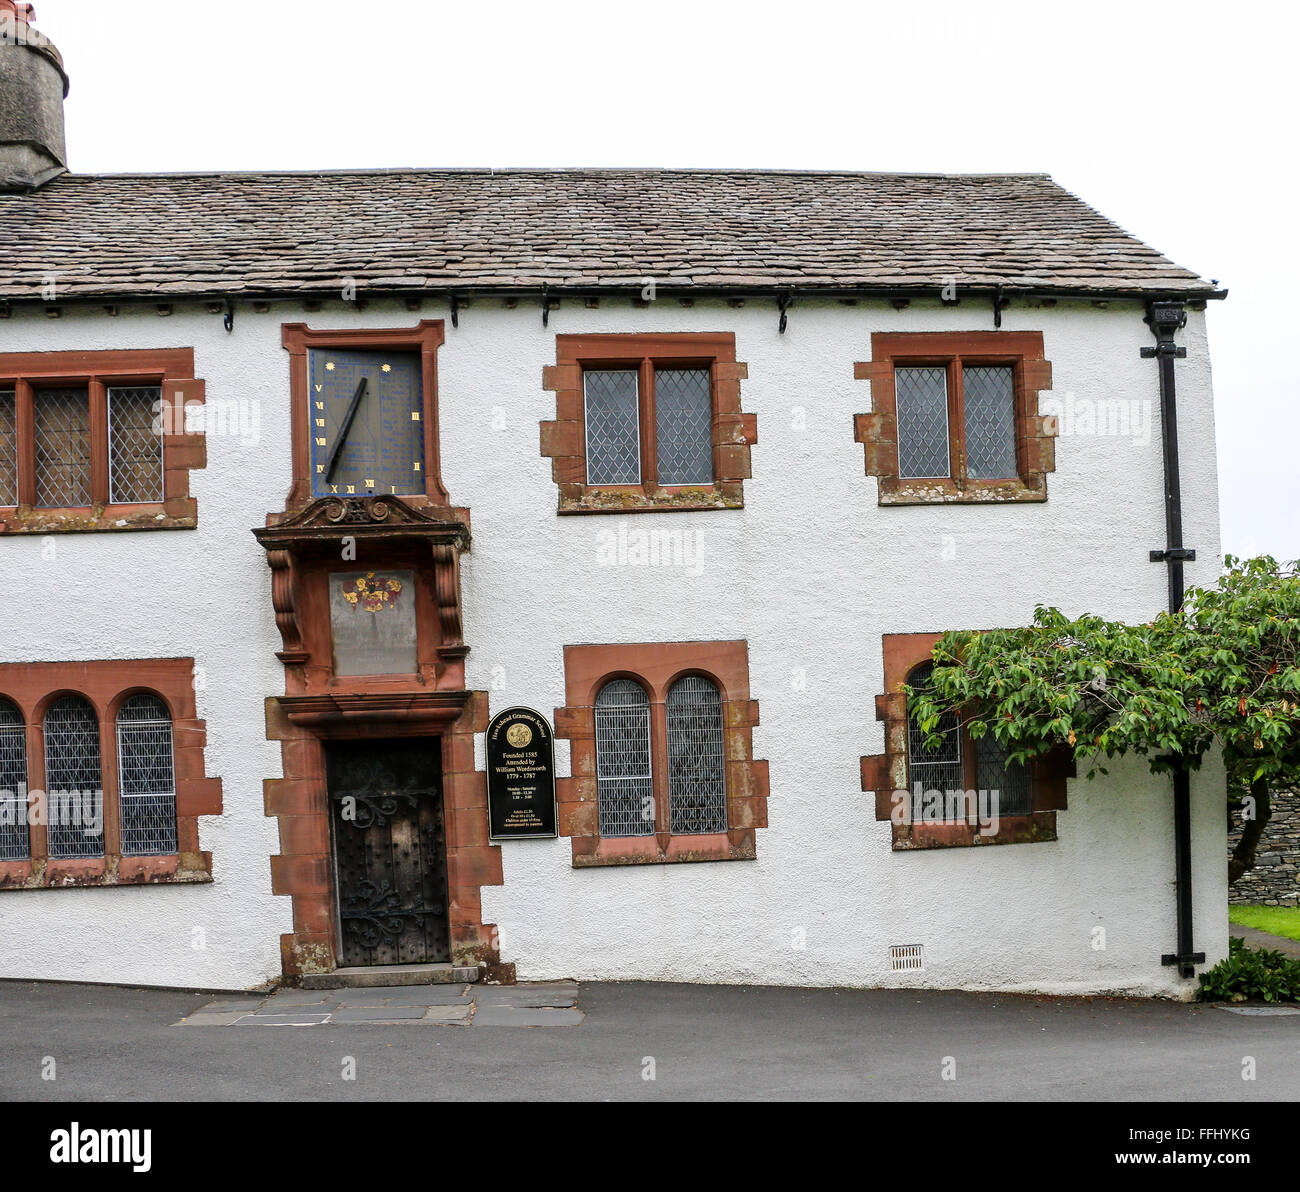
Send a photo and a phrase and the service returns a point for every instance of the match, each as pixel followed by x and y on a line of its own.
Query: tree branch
pixel 1243 856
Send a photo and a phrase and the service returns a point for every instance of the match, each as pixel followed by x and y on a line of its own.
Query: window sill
pixel 179 513
pixel 894 491
pixel 78 873
pixel 648 499
pixel 590 852
pixel 1019 829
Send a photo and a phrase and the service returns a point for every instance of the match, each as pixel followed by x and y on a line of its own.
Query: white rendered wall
pixel 811 573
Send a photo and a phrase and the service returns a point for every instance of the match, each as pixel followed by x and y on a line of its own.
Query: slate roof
pixel 171 235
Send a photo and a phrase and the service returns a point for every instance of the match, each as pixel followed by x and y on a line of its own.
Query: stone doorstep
pixel 390 974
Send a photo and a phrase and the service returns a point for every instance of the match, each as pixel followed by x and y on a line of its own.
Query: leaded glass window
pixel 73 782
pixel 993 772
pixel 933 769
pixel 956 421
pixel 613 413
pixel 684 425
pixel 15 842
pixel 624 787
pixel 146 777
pixel 921 402
pixel 989 396
pixel 958 763
pixel 8 448
pixel 135 459
pixel 62 432
pixel 697 772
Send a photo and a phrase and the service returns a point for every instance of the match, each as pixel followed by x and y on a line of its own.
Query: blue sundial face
pixel 366 416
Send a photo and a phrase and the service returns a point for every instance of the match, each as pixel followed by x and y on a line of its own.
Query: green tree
pixel 1223 671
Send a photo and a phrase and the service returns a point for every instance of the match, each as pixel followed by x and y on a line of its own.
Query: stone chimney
pixel 32 89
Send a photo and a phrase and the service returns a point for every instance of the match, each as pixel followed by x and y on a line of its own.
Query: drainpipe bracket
pixel 1184 960
pixel 1180 554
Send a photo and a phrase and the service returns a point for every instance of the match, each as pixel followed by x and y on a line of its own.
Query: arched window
pixel 697 772
pixel 15 843
pixel 958 763
pixel 624 788
pixel 146 778
pixel 73 784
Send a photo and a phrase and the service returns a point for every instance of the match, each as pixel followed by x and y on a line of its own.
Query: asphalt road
pixel 699 1042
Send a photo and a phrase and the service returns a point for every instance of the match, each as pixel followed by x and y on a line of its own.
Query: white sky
pixel 1178 121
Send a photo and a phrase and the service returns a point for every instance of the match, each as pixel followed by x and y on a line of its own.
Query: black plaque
pixel 521 775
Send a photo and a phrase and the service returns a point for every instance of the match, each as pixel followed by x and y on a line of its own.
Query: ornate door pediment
pixel 373 531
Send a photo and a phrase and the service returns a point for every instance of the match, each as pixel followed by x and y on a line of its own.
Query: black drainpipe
pixel 1165 318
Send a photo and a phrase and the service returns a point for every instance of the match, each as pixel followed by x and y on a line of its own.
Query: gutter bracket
pixel 1164 349
pixel 999 305
pixel 455 310
pixel 228 319
pixel 783 304
pixel 546 305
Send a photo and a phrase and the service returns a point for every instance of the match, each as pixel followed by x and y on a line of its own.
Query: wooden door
pixel 390 853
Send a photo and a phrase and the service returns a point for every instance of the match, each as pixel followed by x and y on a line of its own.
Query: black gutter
pixel 986 292
pixel 1164 319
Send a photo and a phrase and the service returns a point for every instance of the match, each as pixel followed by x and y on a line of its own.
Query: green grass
pixel 1276 920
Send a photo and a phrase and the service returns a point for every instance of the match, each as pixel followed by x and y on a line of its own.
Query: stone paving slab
pixel 281 1020
pixel 449 1015
pixel 406 995
pixel 379 1013
pixel 223 1005
pixel 542 1004
pixel 556 995
pixel 526 1016
pixel 308 997
pixel 1260 1011
pixel 202 1018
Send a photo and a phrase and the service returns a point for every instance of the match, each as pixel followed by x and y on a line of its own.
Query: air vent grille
pixel 906 958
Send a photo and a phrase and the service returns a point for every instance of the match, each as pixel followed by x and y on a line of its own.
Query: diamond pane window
pixel 613 414
pixel 15 844
pixel 990 398
pixel 73 786
pixel 921 397
pixel 624 788
pixel 147 781
pixel 697 771
pixel 937 769
pixel 62 426
pixel 994 773
pixel 8 448
pixel 135 459
pixel 684 425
